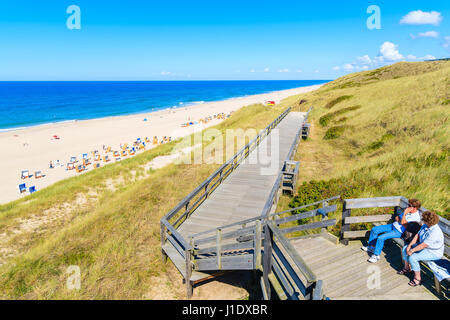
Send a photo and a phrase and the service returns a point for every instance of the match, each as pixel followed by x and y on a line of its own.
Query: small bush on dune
pixel 330 116
pixel 334 102
pixel 334 132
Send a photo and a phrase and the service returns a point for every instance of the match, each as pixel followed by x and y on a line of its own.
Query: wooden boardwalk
pixel 344 271
pixel 245 192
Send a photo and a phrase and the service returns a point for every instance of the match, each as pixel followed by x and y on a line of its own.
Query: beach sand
pixel 33 148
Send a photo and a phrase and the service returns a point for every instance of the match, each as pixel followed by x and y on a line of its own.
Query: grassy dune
pixel 376 133
pixel 107 223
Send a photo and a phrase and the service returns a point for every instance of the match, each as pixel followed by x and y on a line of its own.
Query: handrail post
pixel 345 227
pixel 267 260
pixel 163 241
pixel 189 290
pixel 257 253
pixel 219 248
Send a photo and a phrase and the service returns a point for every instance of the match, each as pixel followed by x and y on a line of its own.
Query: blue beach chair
pixel 32 189
pixel 22 188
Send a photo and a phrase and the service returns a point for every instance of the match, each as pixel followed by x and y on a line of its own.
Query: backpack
pixel 412 229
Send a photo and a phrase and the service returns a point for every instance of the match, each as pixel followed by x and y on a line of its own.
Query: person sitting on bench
pixel 427 245
pixel 380 234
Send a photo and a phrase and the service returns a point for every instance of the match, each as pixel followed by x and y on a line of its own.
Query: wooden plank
pixel 298 261
pixel 236 262
pixel 226 247
pixel 283 262
pixel 314 225
pixel 356 234
pixel 267 259
pixel 372 202
pixel 228 235
pixel 368 219
pixel 175 244
pixel 305 215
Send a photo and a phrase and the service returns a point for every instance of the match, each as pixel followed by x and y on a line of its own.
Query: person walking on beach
pixel 380 234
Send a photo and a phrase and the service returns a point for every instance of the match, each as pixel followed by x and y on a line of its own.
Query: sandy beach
pixel 33 148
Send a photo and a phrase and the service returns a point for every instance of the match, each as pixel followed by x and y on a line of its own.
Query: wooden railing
pixel 187 206
pixel 283 267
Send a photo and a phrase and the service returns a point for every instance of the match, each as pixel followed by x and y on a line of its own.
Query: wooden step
pixel 179 262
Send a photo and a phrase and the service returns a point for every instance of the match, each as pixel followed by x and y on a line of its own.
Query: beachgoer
pixel 382 233
pixel 427 245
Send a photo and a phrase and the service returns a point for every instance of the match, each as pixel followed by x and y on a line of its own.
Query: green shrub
pixel 324 120
pixel 334 132
pixel 334 102
pixel 446 102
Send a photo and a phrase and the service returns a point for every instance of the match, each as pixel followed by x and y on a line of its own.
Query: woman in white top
pixel 427 245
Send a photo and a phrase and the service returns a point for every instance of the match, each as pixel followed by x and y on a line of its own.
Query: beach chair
pixel 131 152
pixel 80 168
pixel 155 140
pixel 97 157
pixel 38 174
pixel 32 189
pixel 124 153
pixel 106 159
pixel 86 162
pixel 97 165
pixel 70 166
pixel 22 188
pixel 141 147
pixel 25 174
pixel 147 140
pixel 73 159
pixel 108 150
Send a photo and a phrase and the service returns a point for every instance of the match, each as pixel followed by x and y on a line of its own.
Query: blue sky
pixel 214 40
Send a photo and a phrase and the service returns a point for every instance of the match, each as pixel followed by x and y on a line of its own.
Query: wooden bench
pixel 395 202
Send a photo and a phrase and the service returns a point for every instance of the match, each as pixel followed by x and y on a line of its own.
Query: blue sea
pixel 24 104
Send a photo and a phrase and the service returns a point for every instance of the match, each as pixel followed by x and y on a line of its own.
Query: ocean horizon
pixel 30 103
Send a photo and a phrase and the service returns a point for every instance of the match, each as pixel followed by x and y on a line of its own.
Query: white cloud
pixel 299 71
pixel 283 70
pixel 267 69
pixel 337 68
pixel 252 71
pixel 446 43
pixel 317 71
pixel 365 59
pixel 348 67
pixel 428 34
pixel 389 51
pixel 411 57
pixel 165 73
pixel 420 17
pixel 428 57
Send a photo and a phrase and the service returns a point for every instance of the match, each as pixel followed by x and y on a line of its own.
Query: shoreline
pixel 187 105
pixel 34 147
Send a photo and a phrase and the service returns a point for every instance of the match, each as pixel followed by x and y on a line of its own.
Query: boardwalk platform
pixel 345 271
pixel 245 192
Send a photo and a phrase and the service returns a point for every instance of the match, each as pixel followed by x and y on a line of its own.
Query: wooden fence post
pixel 267 260
pixel 189 290
pixel 163 242
pixel 257 253
pixel 219 248
pixel 345 227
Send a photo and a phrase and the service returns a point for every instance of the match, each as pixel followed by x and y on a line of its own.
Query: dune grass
pixel 113 235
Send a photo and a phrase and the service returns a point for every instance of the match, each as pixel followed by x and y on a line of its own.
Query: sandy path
pixel 33 148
